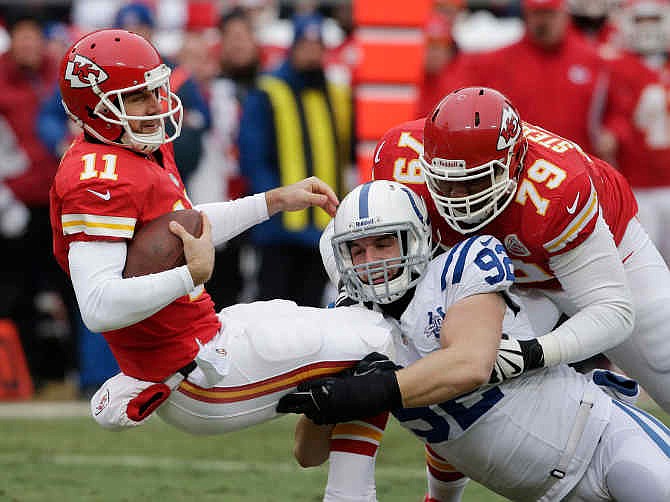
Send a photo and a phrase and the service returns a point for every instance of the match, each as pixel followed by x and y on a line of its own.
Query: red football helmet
pixel 96 72
pixel 473 151
pixel 645 25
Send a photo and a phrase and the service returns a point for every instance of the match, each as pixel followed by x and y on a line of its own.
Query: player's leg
pixel 639 456
pixel 271 347
pixel 445 483
pixel 353 452
pixel 645 356
pixel 631 462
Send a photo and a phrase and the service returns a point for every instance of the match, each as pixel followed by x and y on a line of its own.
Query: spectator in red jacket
pixel 35 294
pixel 552 74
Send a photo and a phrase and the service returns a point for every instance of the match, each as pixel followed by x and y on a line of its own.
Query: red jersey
pixel 639 117
pixel 557 200
pixel 106 192
pixel 563 89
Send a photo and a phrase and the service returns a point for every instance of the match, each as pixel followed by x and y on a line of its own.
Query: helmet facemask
pixel 111 109
pixel 469 213
pixel 386 280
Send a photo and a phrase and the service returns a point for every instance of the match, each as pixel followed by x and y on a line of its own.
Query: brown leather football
pixel 155 249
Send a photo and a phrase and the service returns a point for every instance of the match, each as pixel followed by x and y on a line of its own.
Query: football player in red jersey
pixel 566 218
pixel 202 372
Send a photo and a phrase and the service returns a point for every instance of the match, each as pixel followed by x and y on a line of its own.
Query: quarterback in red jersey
pixel 566 218
pixel 200 371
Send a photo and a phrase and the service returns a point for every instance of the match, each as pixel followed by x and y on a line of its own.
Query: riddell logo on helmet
pixel 78 71
pixel 510 128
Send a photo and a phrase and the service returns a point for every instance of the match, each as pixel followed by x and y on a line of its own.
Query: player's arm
pixel 470 335
pixel 312 442
pixel 593 277
pixel 471 329
pixel 108 301
pixel 234 217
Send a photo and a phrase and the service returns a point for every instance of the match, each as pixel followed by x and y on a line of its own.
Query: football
pixel 155 249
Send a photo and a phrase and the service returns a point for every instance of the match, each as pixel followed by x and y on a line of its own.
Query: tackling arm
pixel 471 330
pixel 470 335
pixel 312 442
pixel 593 277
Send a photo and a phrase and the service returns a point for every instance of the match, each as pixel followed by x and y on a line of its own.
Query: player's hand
pixel 306 193
pixel 365 390
pixel 514 357
pixel 198 251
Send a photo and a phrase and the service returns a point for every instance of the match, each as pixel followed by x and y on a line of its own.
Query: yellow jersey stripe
pixel 109 226
pixel 577 225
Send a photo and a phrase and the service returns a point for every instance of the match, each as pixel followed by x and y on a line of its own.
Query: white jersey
pixel 508 437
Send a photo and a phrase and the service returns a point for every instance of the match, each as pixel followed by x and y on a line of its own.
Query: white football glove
pixel 514 357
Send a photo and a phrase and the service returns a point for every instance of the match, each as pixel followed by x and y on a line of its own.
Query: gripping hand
pixel 366 389
pixel 514 357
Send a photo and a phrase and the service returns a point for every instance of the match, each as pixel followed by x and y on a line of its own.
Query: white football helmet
pixel 382 208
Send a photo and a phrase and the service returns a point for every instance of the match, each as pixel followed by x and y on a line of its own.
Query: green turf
pixel 67 460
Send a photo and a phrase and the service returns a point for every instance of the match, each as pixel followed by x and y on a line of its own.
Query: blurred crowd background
pixel 269 91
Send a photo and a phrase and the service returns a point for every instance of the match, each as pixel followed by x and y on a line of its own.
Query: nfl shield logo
pixel 515 246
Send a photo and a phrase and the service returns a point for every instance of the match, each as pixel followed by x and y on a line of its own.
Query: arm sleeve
pixel 106 300
pixel 231 218
pixel 593 277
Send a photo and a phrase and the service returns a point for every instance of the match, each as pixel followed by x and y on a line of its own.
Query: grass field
pixel 72 459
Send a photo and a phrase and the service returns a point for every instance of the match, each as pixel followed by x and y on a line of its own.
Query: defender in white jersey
pixel 548 435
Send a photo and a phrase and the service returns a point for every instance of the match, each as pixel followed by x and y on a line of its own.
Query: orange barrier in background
pixel 390 42
pixel 377 113
pixel 389 60
pixel 15 381
pixel 391 12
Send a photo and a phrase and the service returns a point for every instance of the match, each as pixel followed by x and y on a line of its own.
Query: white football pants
pixel 273 346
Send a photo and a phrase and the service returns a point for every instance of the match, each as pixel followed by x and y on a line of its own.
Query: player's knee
pixel 632 482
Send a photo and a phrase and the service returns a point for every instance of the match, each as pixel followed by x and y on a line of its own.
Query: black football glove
pixel 516 356
pixel 365 390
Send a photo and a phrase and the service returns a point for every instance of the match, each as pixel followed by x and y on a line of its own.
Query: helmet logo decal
pixel 510 128
pixel 78 71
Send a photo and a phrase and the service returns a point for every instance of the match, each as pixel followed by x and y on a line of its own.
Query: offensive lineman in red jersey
pixel 202 372
pixel 566 218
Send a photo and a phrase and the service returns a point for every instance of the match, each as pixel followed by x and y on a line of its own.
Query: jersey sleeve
pixel 572 216
pixel 100 207
pixel 476 266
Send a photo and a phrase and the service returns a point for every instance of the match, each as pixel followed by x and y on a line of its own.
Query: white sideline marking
pixel 45 409
pixel 136 462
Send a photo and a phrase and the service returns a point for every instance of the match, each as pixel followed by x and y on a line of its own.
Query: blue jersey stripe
pixel 363 196
pixel 460 264
pixel 413 202
pixel 447 264
pixel 635 413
